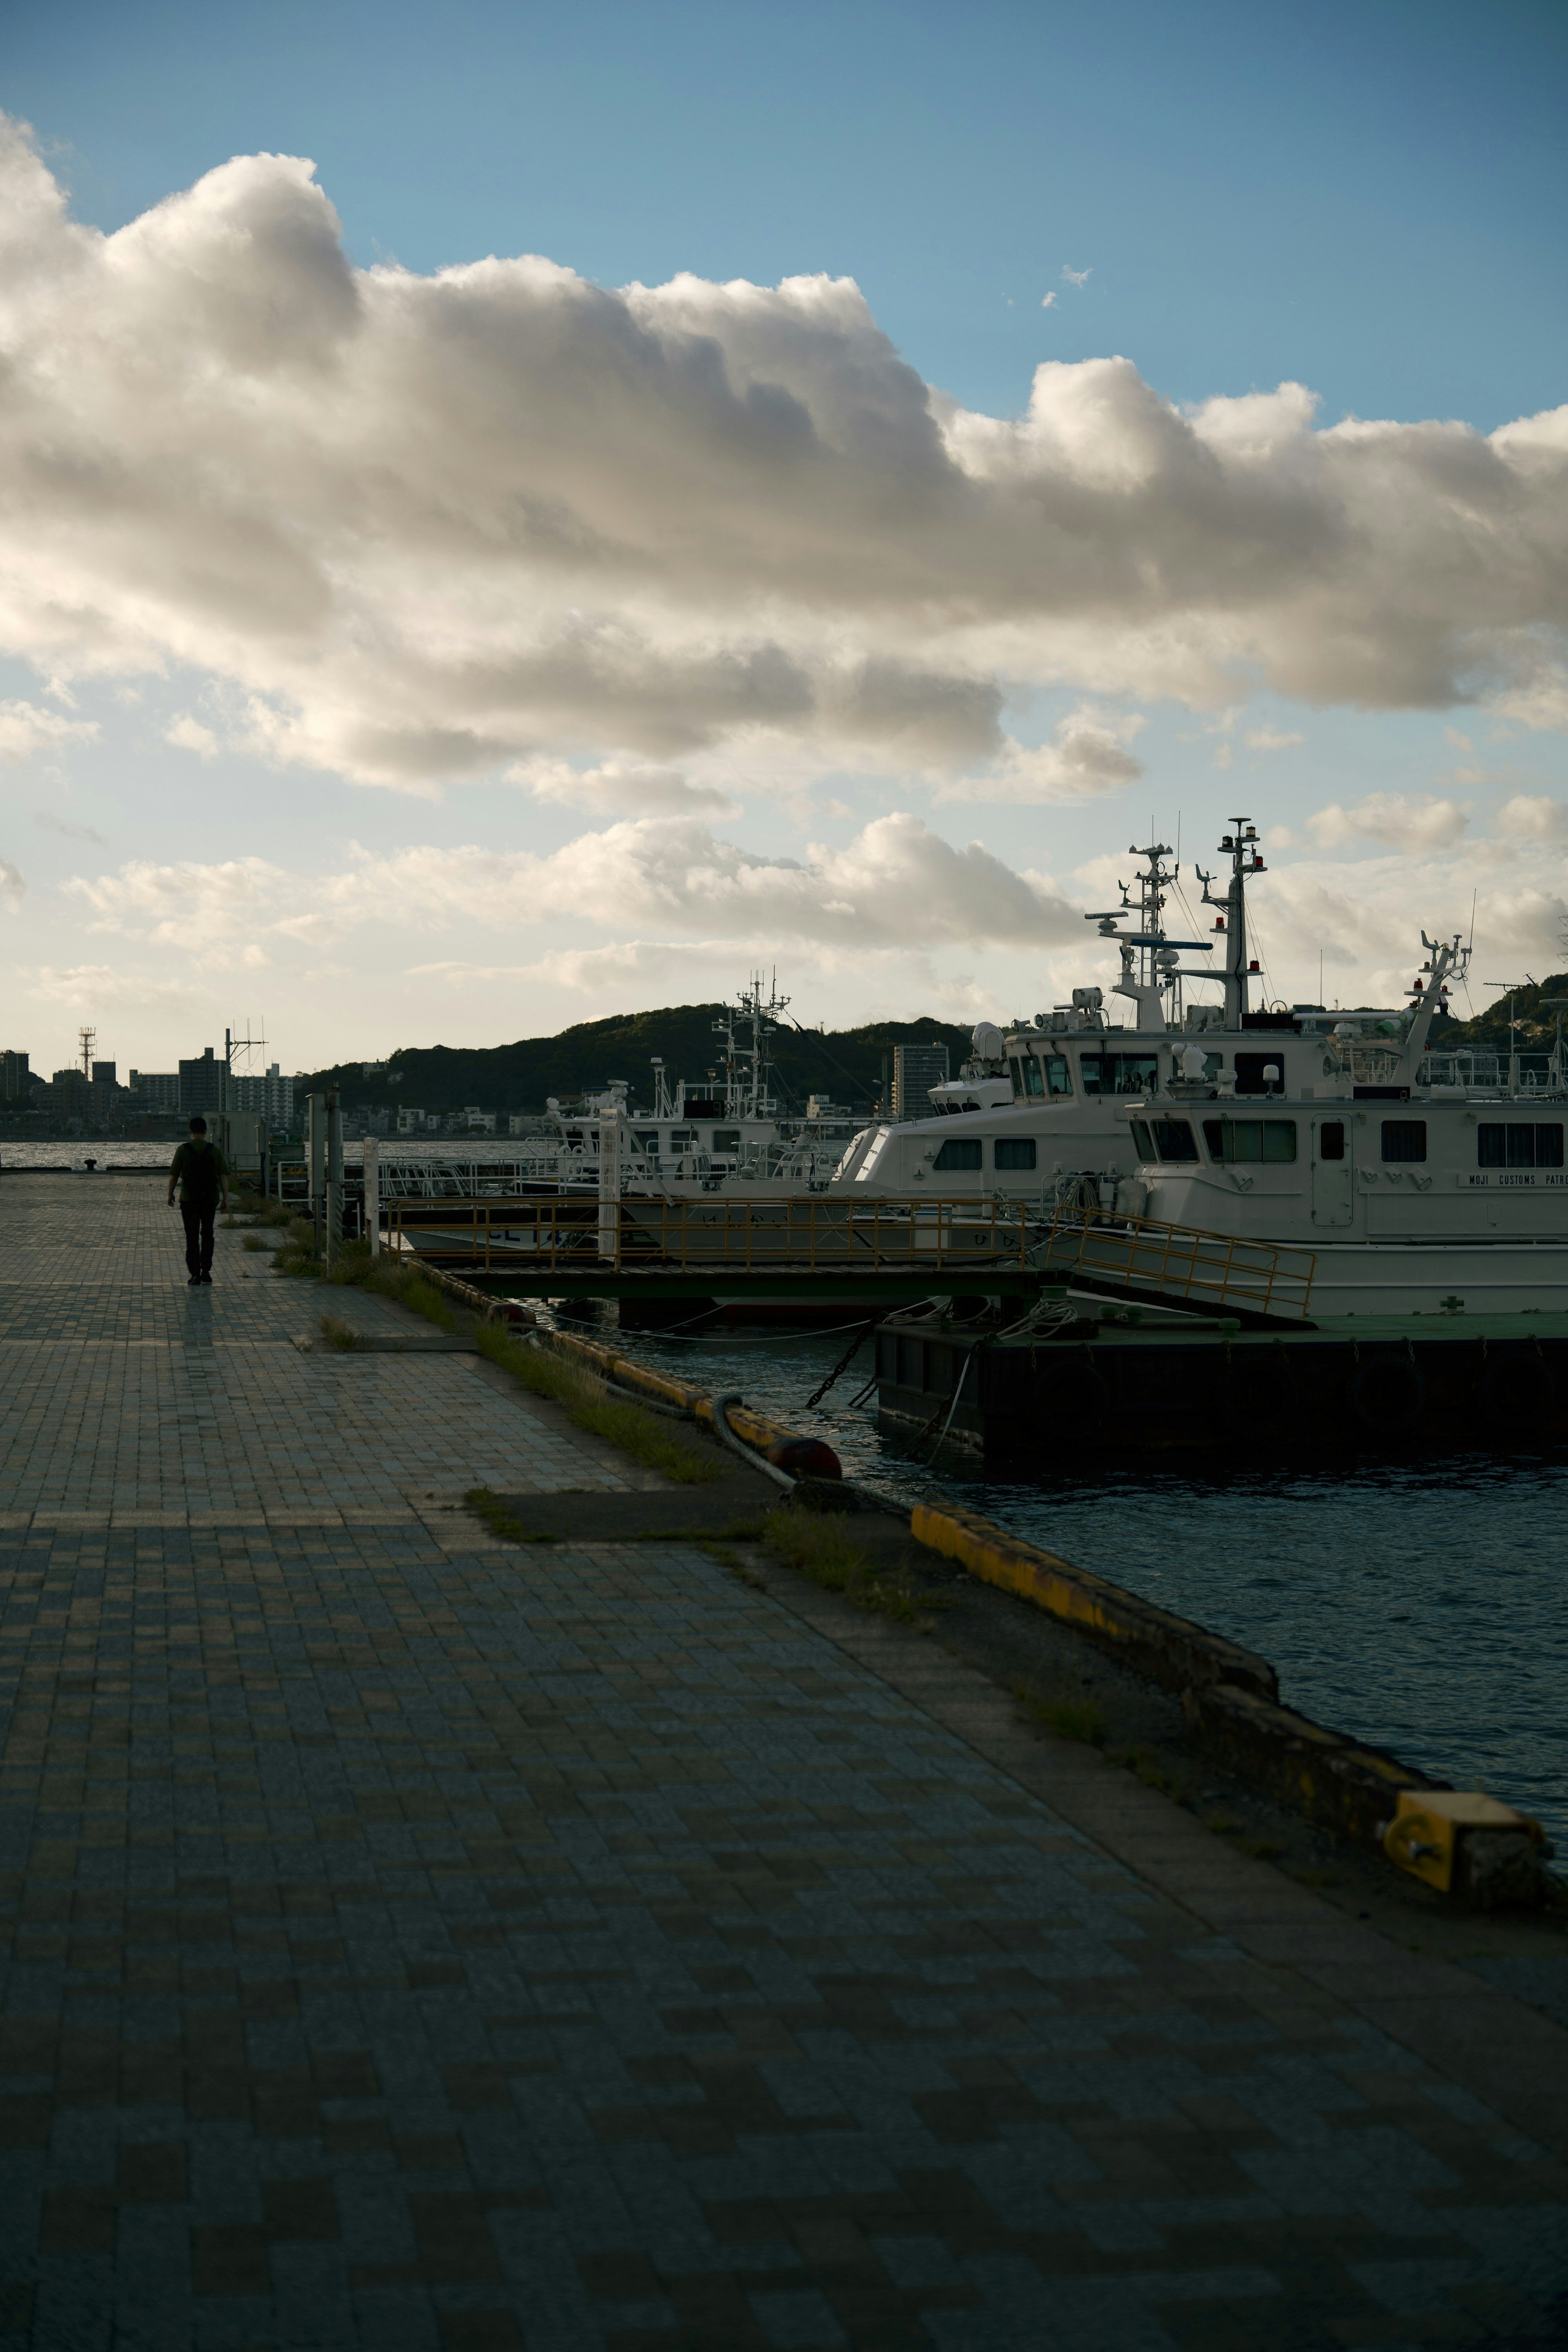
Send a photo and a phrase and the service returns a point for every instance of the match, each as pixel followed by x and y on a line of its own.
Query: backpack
pixel 198 1173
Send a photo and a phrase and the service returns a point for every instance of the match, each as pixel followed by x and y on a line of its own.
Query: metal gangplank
pixel 1175 1266
pixel 550 1245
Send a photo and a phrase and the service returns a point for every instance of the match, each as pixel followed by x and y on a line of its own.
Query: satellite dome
pixel 988 1041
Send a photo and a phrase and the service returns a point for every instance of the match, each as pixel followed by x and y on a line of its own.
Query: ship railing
pixel 811 1234
pixel 1220 1271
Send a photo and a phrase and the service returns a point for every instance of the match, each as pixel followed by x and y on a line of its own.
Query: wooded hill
pixel 1538 1020
pixel 844 1063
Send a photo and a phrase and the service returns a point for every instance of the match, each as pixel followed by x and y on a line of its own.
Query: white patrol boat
pixel 726 1134
pixel 1041 1099
pixel 1421 1180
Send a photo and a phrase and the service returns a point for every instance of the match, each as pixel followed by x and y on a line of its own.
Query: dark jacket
pixel 200 1171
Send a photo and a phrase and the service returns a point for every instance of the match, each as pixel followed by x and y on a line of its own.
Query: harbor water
pixel 1422 1606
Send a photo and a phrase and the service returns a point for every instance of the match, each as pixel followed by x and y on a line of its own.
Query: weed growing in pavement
pixel 253 1242
pixel 589 1405
pixel 501 1522
pixel 820 1545
pixel 342 1336
pixel 1146 1765
pixel 298 1254
pixel 1069 1719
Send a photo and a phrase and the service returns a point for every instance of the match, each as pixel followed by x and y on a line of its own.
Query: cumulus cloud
pixel 27 728
pixel 618 783
pixel 1406 821
pixel 1088 757
pixel 425 527
pixel 1076 276
pixel 896 883
pixel 100 987
pixel 1532 816
pixel 1049 302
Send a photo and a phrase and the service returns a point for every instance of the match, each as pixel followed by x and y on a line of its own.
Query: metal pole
pixel 610 1187
pixel 373 1193
pixel 334 1185
pixel 316 1167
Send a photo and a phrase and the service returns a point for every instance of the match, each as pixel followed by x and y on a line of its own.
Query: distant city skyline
pixel 919 458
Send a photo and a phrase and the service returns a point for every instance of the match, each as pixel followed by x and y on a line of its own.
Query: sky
pixel 515 514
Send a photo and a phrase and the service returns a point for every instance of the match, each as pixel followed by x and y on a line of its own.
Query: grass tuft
pixel 342 1336
pixel 1069 1719
pixel 501 1522
pixel 822 1548
pixel 253 1242
pixel 590 1406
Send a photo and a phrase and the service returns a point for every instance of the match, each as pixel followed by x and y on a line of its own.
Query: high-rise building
pixel 103 1073
pixel 272 1097
pixel 916 1070
pixel 157 1091
pixel 15 1081
pixel 202 1086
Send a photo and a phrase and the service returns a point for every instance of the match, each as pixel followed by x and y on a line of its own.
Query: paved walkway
pixel 414 1943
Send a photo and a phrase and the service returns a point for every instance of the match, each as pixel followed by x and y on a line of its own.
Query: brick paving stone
pixel 411 1941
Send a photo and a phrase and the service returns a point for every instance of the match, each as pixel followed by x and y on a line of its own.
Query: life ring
pixel 1516 1392
pixel 1387 1394
pixel 1070 1396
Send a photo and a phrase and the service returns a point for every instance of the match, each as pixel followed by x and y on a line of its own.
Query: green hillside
pixel 1538 1019
pixel 844 1063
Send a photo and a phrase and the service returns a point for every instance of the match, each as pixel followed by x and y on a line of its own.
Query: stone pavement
pixel 412 1942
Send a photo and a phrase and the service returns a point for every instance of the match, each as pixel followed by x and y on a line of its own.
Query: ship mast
pixel 1245 857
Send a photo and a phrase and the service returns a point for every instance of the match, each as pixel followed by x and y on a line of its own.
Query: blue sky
pixel 1369 201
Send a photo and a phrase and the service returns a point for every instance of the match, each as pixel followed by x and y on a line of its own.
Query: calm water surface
pixel 1423 1607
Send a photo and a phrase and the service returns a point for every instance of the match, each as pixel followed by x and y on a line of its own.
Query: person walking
pixel 202 1174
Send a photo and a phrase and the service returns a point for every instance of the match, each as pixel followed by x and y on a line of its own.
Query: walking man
pixel 201 1174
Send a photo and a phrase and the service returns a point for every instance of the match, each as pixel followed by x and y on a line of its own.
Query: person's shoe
pixel 193 1282
pixel 207 1279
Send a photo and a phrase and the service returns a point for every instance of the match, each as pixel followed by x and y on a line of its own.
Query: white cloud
pixel 1533 817
pixel 183 904
pixel 13 888
pixel 187 734
pixel 1076 276
pixel 1088 758
pixel 896 884
pixel 1405 821
pixel 1271 739
pixel 636 784
pixel 27 728
pixel 99 987
pixel 1049 303
pixel 424 528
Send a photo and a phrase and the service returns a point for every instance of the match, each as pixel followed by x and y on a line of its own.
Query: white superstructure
pixel 1041 1098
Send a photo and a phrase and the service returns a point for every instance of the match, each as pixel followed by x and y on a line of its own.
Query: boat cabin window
pixel 1143 1141
pixel 1249 1069
pixel 1518 1145
pixel 1173 1139
pixel 726 1139
pixel 1014 1152
pixel 644 1138
pixel 1331 1139
pixel 1040 1077
pixel 683 1138
pixel 1404 1139
pixel 1119 1074
pixel 958 1152
pixel 1254 1140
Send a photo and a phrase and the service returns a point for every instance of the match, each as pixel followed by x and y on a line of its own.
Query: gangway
pixel 1180 1266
